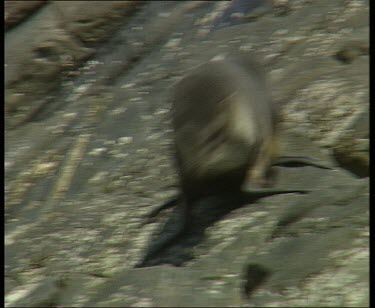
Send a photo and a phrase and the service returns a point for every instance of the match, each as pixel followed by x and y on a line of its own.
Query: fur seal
pixel 225 135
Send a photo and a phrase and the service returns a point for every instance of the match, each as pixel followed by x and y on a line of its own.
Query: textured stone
pixel 73 241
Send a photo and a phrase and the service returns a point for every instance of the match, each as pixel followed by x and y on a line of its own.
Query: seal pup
pixel 225 136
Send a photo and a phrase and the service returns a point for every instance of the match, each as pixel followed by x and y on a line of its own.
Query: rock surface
pixel 88 153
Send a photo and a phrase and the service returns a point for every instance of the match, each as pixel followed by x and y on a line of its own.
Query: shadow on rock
pixel 168 248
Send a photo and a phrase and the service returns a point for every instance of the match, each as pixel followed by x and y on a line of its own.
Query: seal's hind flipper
pixel 265 192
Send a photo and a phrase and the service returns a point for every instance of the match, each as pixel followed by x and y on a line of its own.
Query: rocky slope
pixel 88 153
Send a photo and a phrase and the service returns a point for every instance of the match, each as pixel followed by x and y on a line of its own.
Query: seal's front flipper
pixel 150 217
pixel 174 229
pixel 299 161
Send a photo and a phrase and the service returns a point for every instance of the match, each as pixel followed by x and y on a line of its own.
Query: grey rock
pixel 63 227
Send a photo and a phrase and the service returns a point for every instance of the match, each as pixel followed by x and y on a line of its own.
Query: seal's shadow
pixel 205 213
pixel 173 244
